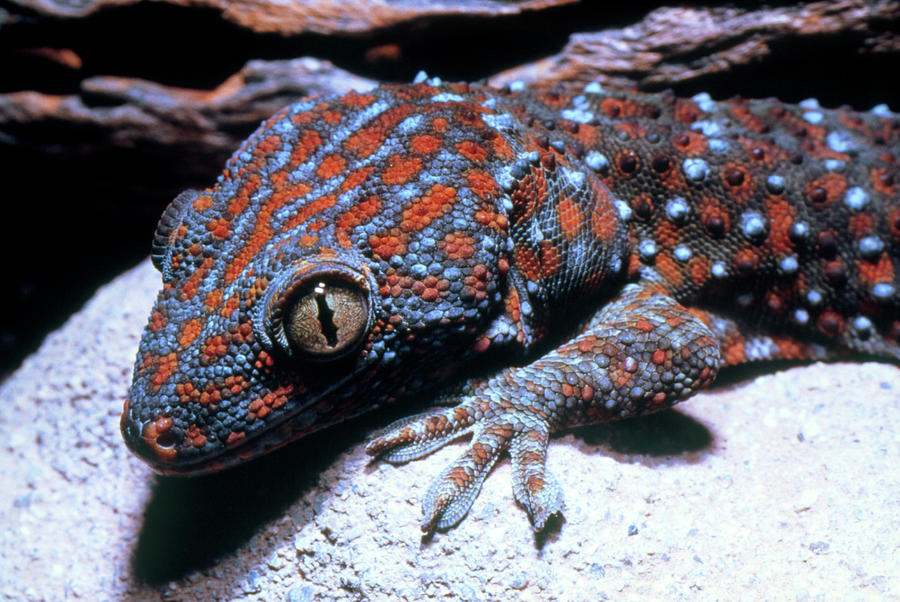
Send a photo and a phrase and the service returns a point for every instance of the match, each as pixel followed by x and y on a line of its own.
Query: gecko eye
pixel 328 319
pixel 319 311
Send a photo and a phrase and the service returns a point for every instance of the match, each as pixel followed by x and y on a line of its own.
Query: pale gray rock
pixel 781 485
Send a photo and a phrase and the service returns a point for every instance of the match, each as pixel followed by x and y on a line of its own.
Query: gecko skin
pixel 587 257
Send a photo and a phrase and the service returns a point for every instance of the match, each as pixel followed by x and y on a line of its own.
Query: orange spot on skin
pixel 603 219
pixel 189 332
pixel 215 346
pixel 308 142
pixel 781 215
pixel 698 270
pixel 354 217
pixel 239 203
pixel 356 178
pixel 262 231
pixel 309 210
pixel 308 240
pixel 387 245
pixel 331 166
pixel 644 326
pixel 355 99
pixel 634 130
pixel 458 245
pixel 192 285
pixel 746 261
pixel 670 269
pixel 569 218
pixel 529 195
pixel 364 142
pixel 304 117
pixel 235 439
pixel 157 321
pixel 495 221
pixel 747 119
pixel 267 145
pixel 686 110
pixel 551 260
pixel 400 169
pixel 165 368
pixel 219 227
pixel 439 124
pixel 666 234
pixel 738 181
pixel 830 323
pixel 690 143
pixel 860 225
pixel 502 149
pixel 774 302
pixel 482 184
pixel 425 144
pixel 826 189
pixel 893 221
pixel 714 217
pixel 883 181
pixel 876 272
pixel 213 300
pixel 202 202
pixel 733 351
pixel 586 135
pixel 472 150
pixel 528 263
pixel 331 117
pixel 230 306
pixel 634 265
pixel 367 140
pixel 193 436
pixel 628 163
pixel 790 348
pixel 435 203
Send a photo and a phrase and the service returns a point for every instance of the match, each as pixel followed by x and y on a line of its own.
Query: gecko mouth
pixel 174 451
pixel 163 451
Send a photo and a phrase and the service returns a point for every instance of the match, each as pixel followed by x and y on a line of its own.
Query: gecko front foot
pixel 496 426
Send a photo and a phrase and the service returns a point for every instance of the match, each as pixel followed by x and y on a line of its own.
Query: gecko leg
pixel 641 353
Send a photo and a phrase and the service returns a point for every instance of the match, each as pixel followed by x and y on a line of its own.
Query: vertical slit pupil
pixel 326 319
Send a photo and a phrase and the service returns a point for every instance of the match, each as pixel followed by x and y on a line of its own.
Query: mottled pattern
pixel 592 257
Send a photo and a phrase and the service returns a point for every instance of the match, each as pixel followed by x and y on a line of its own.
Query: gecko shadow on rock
pixel 671 434
pixel 663 436
pixel 190 523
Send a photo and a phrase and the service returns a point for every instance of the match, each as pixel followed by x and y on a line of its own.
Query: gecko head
pixel 349 255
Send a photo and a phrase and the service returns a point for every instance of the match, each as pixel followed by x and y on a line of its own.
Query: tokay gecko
pixel 530 261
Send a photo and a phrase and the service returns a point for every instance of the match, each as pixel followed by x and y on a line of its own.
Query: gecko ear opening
pixel 320 312
pixel 169 223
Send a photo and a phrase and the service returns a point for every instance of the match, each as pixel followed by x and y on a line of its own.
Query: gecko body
pixel 553 259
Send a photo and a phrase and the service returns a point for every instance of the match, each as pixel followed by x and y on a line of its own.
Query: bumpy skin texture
pixel 590 257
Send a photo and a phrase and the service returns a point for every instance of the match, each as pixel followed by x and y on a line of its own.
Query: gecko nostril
pixel 166 440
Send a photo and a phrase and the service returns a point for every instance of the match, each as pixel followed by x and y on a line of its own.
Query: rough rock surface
pixel 773 485
pixel 202 126
pixel 673 45
pixel 319 16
